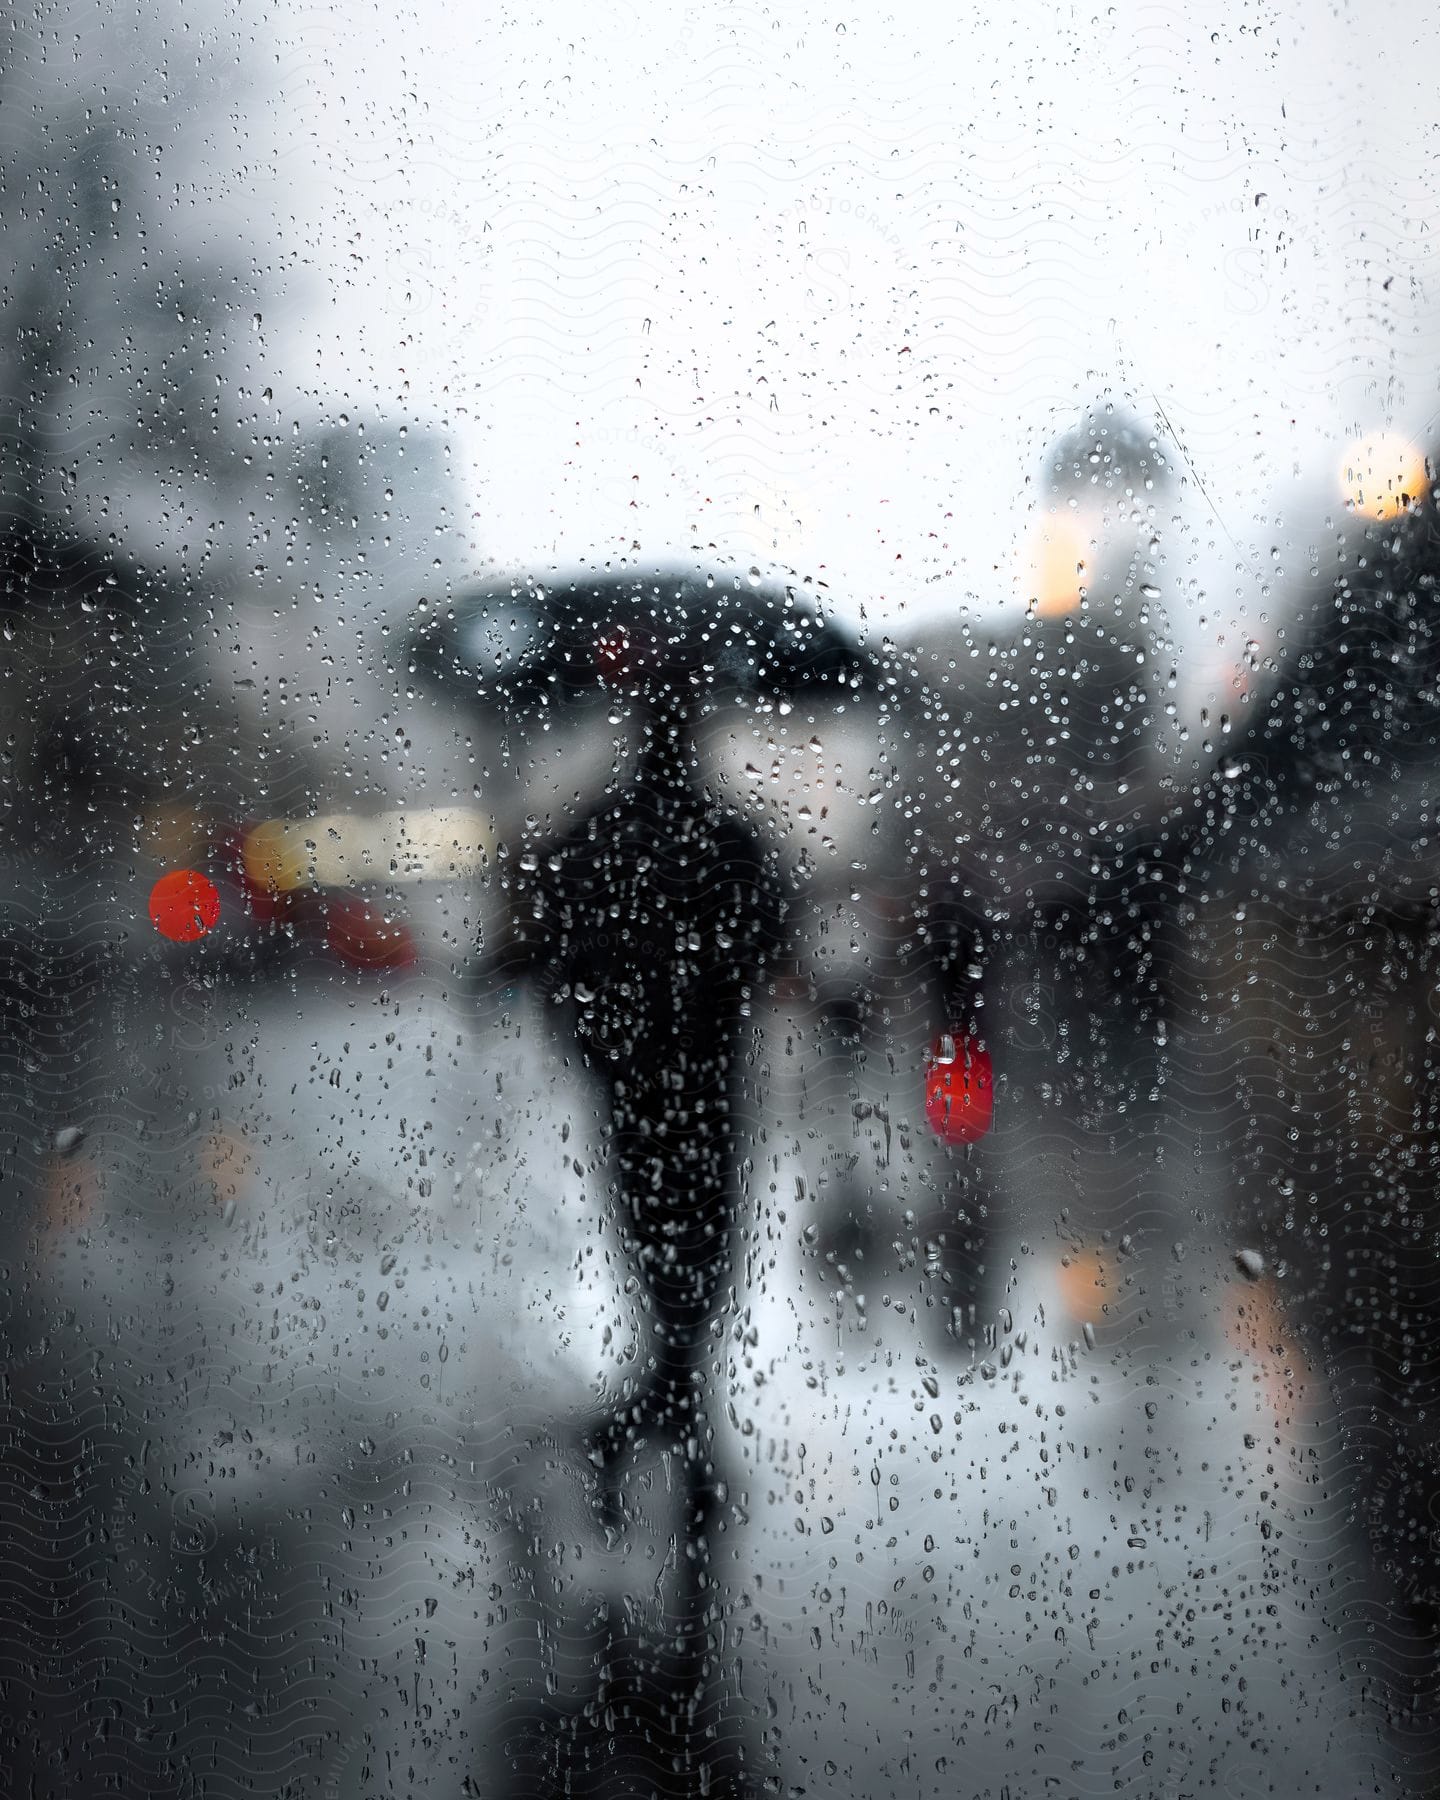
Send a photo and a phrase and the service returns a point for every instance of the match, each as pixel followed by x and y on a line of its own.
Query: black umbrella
pixel 536 641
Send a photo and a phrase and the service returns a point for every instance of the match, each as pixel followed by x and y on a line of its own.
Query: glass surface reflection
pixel 718 1059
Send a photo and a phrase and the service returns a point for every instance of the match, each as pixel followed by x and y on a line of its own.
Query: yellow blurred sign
pixel 351 849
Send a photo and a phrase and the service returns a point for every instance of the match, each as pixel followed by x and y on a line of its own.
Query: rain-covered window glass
pixel 720 933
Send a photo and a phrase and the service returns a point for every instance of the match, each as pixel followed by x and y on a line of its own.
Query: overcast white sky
pixel 817 285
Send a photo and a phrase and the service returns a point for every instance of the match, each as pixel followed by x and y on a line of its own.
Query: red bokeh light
pixel 184 905
pixel 959 1090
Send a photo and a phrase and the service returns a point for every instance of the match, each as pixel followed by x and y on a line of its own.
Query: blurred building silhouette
pixel 1044 752
pixel 1311 931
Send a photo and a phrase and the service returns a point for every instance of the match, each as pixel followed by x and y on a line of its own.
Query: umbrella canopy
pixel 671 635
pixel 650 679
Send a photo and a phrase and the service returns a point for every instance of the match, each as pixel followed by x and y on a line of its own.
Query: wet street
pixel 1021 1475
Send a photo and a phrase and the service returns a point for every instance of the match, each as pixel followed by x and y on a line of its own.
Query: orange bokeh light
pixel 1382 473
pixel 1058 555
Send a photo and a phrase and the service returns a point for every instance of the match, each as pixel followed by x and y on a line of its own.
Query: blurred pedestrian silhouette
pixel 651 921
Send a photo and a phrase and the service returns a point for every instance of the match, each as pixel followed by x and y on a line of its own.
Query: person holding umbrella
pixel 650 917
